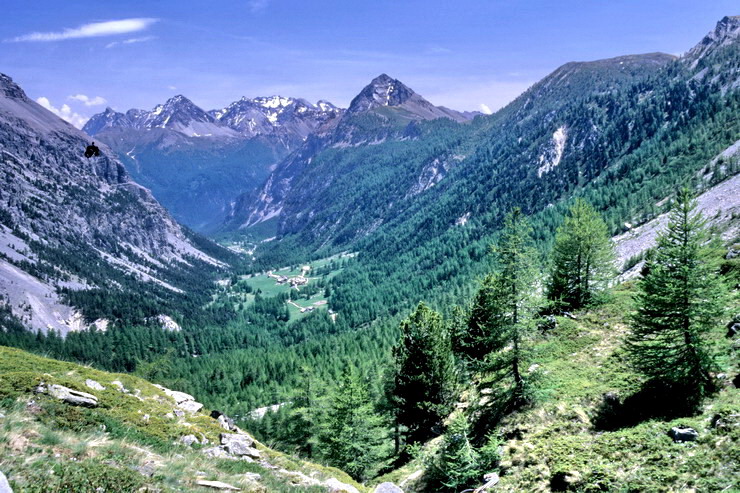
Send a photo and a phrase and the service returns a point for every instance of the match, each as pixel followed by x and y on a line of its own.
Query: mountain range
pixel 71 224
pixel 198 163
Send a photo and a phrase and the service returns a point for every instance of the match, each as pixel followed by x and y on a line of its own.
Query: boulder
pixel 387 488
pixel 217 453
pixel 147 469
pixel 252 476
pixel 4 485
pixel 119 385
pixel 683 434
pixel 239 444
pixel 184 401
pixel 336 486
pixel 189 440
pixel 179 397
pixel 93 385
pixel 65 394
pixel 191 407
pixel 216 485
pixel 226 422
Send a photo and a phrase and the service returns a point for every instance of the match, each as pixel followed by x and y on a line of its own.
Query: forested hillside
pixel 423 299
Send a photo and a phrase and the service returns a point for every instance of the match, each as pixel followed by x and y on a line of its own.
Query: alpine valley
pixel 392 297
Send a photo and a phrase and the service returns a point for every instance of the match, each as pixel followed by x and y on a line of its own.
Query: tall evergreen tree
pixel 680 299
pixel 582 258
pixel 471 336
pixel 353 433
pixel 511 302
pixel 423 385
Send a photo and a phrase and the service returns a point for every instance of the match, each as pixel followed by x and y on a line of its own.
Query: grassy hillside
pixel 569 441
pixel 129 441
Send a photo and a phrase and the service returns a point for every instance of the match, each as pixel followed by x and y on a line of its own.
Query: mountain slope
pixel 569 441
pixel 129 434
pixel 385 110
pixel 423 207
pixel 440 148
pixel 76 223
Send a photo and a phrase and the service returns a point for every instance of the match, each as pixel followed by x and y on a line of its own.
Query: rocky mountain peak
pixel 382 91
pixel 11 89
pixel 110 118
pixel 725 33
pixel 178 113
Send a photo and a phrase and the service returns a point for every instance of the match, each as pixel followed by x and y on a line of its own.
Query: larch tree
pixel 681 298
pixel 582 258
pixel 511 303
pixel 353 433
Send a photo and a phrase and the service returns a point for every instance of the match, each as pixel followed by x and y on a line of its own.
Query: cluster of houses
pixel 293 281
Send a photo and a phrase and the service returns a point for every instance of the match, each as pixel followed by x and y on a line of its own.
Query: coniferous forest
pixel 544 298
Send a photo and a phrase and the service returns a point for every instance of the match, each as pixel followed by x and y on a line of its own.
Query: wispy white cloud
pixel 94 29
pixel 65 112
pixel 88 101
pixel 485 109
pixel 257 5
pixel 130 41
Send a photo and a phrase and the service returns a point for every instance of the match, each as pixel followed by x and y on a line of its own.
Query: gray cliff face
pixel 725 33
pixel 53 199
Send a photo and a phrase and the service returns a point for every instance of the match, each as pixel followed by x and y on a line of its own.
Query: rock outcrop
pixel 683 434
pixel 74 397
pixel 185 402
pixel 234 446
pixel 217 485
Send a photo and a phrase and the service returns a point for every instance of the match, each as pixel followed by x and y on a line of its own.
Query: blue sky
pixel 80 56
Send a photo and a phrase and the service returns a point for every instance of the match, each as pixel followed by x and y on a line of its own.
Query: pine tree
pixel 680 299
pixel 352 434
pixel 582 258
pixel 423 384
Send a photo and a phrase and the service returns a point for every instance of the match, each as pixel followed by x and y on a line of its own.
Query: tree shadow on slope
pixel 656 400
